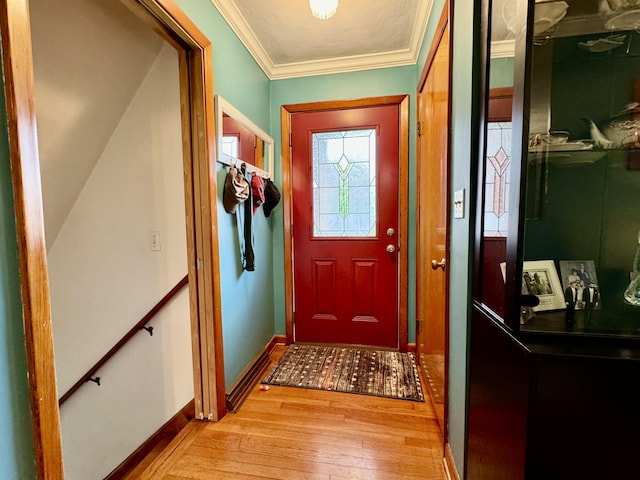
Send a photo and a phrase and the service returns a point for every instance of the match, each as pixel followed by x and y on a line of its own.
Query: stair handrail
pixel 135 329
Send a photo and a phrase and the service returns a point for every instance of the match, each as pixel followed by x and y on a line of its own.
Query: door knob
pixel 391 248
pixel 435 264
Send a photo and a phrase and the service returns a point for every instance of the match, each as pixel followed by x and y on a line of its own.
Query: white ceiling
pixel 287 41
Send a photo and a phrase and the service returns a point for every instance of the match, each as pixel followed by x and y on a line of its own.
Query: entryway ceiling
pixel 287 41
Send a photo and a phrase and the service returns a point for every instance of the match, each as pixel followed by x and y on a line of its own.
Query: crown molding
pixel 420 27
pixel 342 65
pixel 503 49
pixel 236 21
pixel 397 58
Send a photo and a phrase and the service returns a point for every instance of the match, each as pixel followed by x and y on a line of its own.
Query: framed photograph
pixel 580 284
pixel 540 278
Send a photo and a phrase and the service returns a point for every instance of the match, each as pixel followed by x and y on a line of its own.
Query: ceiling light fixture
pixel 323 9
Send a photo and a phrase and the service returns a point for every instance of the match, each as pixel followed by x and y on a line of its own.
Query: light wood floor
pixel 289 434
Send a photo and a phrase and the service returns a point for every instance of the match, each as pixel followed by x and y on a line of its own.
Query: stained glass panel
pixel 496 205
pixel 344 183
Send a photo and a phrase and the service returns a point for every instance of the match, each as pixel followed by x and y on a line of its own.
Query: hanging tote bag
pixel 236 189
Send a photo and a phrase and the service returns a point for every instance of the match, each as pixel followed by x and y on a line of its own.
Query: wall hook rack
pixel 148 329
pixel 229 160
pixel 95 380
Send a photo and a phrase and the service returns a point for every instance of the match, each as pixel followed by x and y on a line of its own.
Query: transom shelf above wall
pixel 239 140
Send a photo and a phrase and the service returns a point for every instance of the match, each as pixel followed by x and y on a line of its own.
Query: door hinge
pixel 419 128
pixel 290 142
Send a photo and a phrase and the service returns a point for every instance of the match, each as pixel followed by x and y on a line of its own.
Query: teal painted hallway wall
pixel 247 297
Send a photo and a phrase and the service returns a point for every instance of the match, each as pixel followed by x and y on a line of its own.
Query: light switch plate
pixel 458 204
pixel 154 241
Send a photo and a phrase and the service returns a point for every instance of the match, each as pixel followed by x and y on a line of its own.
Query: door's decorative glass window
pixel 496 205
pixel 344 183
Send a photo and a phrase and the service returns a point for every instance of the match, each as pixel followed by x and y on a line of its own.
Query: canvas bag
pixel 236 189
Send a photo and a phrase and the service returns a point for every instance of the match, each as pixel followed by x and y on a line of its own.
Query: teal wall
pixel 463 156
pixel 247 297
pixel 369 83
pixel 16 441
pixel 501 72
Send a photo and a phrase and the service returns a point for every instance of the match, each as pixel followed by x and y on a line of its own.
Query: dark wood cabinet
pixel 553 390
pixel 544 409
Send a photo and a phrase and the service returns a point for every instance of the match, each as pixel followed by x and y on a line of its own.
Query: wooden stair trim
pixel 173 427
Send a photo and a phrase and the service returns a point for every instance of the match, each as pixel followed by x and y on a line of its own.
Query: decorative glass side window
pixel 496 205
pixel 344 183
pixel 230 145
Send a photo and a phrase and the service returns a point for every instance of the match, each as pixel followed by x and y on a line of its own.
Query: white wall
pixel 104 278
pixel 66 34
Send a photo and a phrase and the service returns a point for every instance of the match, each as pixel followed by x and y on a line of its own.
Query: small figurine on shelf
pixel 571 299
pixel 591 300
pixel 632 293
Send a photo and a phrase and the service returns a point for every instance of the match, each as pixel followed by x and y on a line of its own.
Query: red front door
pixel 345 223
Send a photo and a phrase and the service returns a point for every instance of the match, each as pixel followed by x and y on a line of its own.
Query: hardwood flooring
pixel 432 369
pixel 289 433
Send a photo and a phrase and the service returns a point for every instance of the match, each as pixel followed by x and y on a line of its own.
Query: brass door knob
pixel 435 264
pixel 391 248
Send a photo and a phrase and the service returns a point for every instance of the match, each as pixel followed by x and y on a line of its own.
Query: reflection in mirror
pixel 496 199
pixel 241 140
pixel 497 159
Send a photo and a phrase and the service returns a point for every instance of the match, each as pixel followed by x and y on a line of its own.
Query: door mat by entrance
pixel 378 373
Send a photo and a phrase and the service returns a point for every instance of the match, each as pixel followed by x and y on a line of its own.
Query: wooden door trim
pixel 196 78
pixel 199 151
pixel 444 26
pixel 285 117
pixel 437 37
pixel 198 123
pixel 15 33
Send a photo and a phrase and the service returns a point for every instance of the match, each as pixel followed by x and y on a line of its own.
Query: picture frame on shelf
pixel 581 274
pixel 540 278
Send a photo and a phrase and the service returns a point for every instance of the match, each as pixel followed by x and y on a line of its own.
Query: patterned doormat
pixel 379 373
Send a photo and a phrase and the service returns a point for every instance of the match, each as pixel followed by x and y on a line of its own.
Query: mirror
pixel 241 140
pixel 496 164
